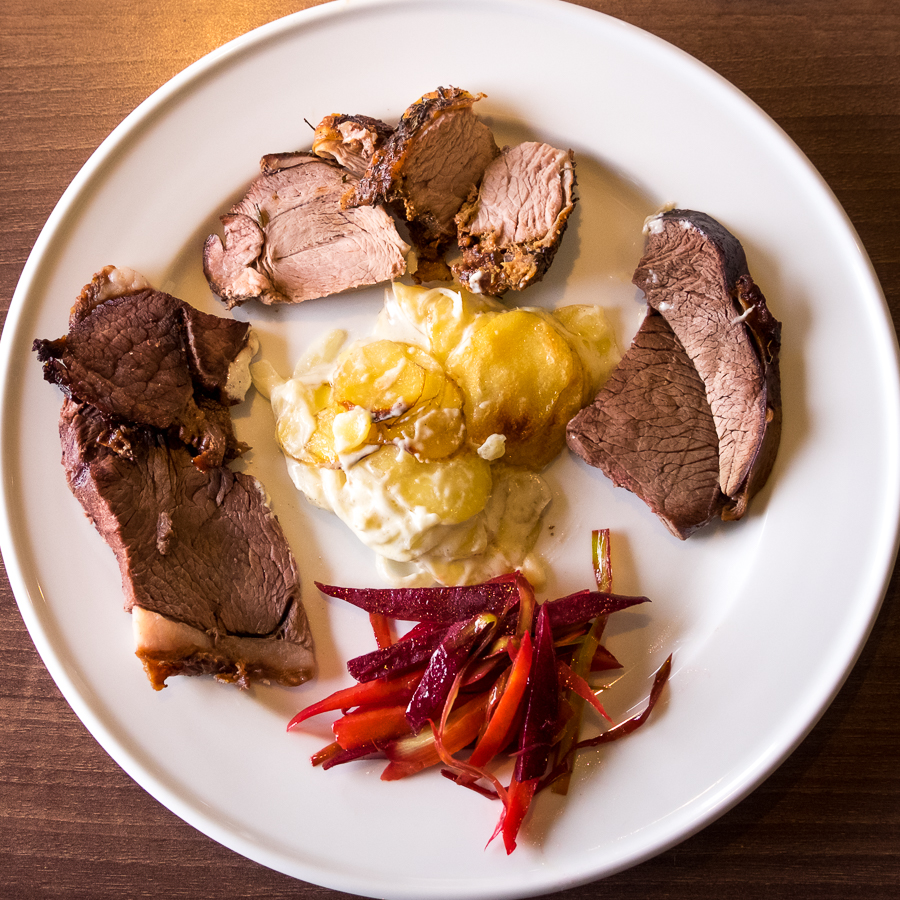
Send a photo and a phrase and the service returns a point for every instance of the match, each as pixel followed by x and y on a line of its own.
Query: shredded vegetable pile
pixel 485 666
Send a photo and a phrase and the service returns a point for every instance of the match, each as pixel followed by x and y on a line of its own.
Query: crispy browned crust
pixel 328 129
pixel 383 182
pixel 493 269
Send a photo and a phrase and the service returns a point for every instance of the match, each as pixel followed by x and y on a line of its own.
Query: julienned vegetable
pixel 485 667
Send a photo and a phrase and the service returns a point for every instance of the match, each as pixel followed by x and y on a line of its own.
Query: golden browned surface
pixel 825 825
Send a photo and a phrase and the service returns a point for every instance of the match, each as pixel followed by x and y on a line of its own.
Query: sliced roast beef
pixel 427 168
pixel 206 571
pixel 694 273
pixel 351 141
pixel 135 356
pixel 205 566
pixel 289 239
pixel 690 273
pixel 510 232
pixel 650 430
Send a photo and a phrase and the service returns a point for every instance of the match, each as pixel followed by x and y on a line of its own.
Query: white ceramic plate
pixel 765 617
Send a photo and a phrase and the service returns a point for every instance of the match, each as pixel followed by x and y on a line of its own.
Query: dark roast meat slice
pixel 694 273
pixel 206 570
pixel 427 168
pixel 650 430
pixel 148 358
pixel 351 141
pixel 290 240
pixel 510 232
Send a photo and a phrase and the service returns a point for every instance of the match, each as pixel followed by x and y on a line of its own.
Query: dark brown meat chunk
pixel 510 232
pixel 200 554
pixel 290 240
pixel 135 357
pixel 427 168
pixel 690 274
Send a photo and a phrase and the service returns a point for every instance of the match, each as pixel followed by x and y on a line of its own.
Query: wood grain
pixel 825 825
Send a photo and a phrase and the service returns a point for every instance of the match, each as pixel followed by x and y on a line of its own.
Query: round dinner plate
pixel 765 617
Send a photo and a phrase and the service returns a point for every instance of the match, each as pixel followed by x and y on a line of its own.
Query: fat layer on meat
pixel 428 166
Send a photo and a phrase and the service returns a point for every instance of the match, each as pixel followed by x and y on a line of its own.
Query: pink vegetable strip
pixel 441 605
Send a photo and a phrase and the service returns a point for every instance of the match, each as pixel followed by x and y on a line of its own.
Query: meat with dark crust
pixel 510 231
pixel 135 357
pixel 427 168
pixel 351 141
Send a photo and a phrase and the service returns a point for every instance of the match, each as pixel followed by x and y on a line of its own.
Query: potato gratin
pixel 428 438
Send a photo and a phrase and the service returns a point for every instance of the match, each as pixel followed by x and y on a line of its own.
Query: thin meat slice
pixel 427 168
pixel 651 430
pixel 351 141
pixel 691 273
pixel 510 232
pixel 289 239
pixel 206 570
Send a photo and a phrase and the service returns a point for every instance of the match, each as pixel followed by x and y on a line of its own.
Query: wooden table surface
pixel 826 824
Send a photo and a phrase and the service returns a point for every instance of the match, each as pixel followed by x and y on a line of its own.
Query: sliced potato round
pixel 520 377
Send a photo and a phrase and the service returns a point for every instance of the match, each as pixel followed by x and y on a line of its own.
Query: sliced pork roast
pixel 510 232
pixel 695 276
pixel 289 239
pixel 351 141
pixel 207 573
pixel 428 166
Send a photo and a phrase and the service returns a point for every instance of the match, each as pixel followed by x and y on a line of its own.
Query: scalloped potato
pixel 428 438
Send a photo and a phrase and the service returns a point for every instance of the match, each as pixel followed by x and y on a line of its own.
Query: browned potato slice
pixel 433 429
pixel 385 377
pixel 522 380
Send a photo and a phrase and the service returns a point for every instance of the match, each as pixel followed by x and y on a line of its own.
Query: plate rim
pixel 66 208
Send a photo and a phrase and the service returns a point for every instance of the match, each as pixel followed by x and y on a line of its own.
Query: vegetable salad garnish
pixel 487 667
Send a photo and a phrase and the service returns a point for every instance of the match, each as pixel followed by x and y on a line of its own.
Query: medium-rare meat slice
pixel 694 272
pixel 206 570
pixel 427 168
pixel 510 232
pixel 146 357
pixel 289 239
pixel 650 430
pixel 351 141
